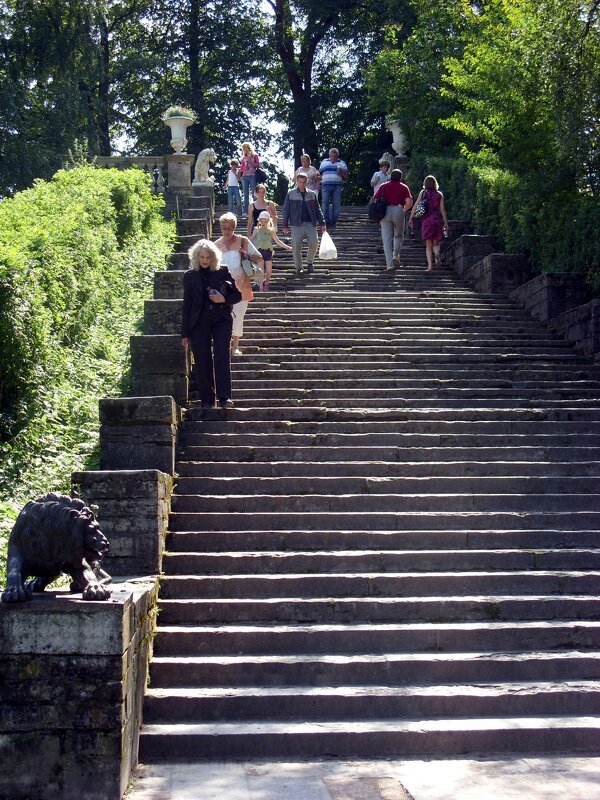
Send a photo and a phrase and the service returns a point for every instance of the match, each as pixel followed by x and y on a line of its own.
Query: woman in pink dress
pixel 434 223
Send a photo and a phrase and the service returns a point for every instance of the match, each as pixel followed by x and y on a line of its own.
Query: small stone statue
pixel 205 158
pixel 55 534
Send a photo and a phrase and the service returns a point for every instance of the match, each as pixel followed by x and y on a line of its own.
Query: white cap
pixel 264 215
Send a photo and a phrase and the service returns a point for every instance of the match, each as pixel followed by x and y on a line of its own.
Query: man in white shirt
pixel 333 174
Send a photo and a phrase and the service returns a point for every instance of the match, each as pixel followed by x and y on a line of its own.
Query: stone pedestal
pixel 179 171
pixel 159 366
pixel 497 273
pixel 551 294
pixel 73 681
pixel 466 251
pixel 138 433
pixel 133 510
pixel 581 327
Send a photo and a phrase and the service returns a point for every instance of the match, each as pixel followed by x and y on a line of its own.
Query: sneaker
pixel 310 268
pixel 391 268
pixel 299 271
pixel 236 352
pixel 265 287
pixel 396 261
pixel 226 403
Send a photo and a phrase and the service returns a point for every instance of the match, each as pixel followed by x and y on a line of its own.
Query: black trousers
pixel 211 340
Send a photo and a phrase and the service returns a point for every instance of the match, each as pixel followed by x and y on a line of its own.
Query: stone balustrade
pixel 550 294
pixel 467 250
pixel 497 273
pixel 581 327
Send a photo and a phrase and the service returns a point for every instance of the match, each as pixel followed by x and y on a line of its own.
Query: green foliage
pixel 77 257
pixel 526 89
pixel 559 231
pixel 404 79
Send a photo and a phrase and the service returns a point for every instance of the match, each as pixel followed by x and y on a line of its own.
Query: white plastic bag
pixel 327 249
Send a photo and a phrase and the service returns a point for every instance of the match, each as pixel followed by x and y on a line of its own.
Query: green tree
pixel 527 89
pixel 404 80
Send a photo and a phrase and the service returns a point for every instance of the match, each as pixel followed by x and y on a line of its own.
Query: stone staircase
pixel 389 547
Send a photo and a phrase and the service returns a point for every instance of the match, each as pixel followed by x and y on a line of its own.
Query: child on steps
pixel 264 238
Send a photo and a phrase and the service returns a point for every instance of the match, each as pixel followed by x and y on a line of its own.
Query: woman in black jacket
pixel 209 292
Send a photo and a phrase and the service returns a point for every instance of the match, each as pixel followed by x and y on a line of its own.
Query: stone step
pixel 190 470
pixel 329 610
pixel 386 403
pixel 389 668
pixel 373 738
pixel 346 639
pixel 400 439
pixel 574 520
pixel 291 539
pixel 277 413
pixel 308 703
pixel 385 586
pixel 420 454
pixel 401 428
pixel 517 484
pixel 282 562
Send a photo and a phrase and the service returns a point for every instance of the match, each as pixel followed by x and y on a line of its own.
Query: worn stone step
pixel 367 702
pixel 280 562
pixel 386 485
pixel 396 669
pixel 347 504
pixel 373 738
pixel 573 520
pixel 189 471
pixel 346 639
pixel 375 428
pixel 422 454
pixel 389 585
pixel 369 440
pixel 325 610
pixel 290 539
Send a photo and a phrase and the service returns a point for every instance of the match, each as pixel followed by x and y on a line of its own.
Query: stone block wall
pixel 466 251
pixel 138 433
pixel 497 273
pixel 133 513
pixel 159 366
pixel 550 294
pixel 581 327
pixel 73 679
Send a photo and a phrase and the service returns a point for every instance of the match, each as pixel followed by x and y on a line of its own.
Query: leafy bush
pixel 77 258
pixel 558 231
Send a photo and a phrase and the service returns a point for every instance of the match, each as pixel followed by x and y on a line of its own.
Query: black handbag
pixel 377 209
pixel 421 207
pixel 261 175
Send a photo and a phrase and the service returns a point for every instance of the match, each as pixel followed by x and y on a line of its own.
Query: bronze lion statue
pixel 55 534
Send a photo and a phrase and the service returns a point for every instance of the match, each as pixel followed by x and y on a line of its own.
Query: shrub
pixel 77 258
pixel 558 231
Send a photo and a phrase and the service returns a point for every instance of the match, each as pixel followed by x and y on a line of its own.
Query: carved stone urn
pixel 399 140
pixel 178 126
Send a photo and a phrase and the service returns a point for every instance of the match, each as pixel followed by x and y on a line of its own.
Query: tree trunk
pixel 103 124
pixel 197 131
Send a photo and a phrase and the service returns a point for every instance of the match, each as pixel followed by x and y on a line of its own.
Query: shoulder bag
pixel 421 207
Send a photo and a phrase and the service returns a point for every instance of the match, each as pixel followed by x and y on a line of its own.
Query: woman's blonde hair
pixel 229 217
pixel 209 247
pixel 430 182
pixel 305 155
pixel 248 146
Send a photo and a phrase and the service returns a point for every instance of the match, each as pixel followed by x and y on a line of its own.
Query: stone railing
pixel 171 175
pixel 560 300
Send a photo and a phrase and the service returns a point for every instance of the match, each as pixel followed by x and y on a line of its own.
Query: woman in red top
pixel 399 200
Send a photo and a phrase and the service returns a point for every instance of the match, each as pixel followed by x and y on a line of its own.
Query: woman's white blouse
pixel 232 260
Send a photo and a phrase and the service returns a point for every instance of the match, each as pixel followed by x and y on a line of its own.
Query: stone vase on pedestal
pixel 178 126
